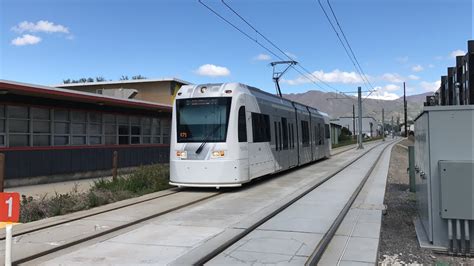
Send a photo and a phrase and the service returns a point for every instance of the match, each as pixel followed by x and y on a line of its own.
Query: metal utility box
pixel 457 186
pixel 444 162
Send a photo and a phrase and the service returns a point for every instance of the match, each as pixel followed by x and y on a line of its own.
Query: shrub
pixel 145 179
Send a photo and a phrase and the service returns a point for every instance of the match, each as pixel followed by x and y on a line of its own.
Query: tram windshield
pixel 202 119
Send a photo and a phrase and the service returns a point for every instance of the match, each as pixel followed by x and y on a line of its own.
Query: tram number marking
pixel 183 135
pixel 10 207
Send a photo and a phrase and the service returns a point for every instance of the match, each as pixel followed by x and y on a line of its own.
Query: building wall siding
pixel 33 163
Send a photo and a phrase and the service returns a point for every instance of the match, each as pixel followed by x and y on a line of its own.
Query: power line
pixel 347 47
pixel 256 41
pixel 341 41
pixel 279 49
pixel 348 43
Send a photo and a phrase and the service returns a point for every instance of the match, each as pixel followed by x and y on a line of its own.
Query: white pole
pixel 8 245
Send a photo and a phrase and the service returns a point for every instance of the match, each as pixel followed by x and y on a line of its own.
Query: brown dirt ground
pixel 398 241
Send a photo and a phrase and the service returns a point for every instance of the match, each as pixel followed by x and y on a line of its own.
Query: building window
pixel 305 133
pixel 41 126
pixel 135 130
pixel 19 126
pixel 166 132
pixel 261 128
pixel 2 125
pixel 61 127
pixel 146 130
pixel 22 126
pixel 156 131
pixel 95 129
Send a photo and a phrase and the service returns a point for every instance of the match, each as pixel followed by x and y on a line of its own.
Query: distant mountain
pixel 337 105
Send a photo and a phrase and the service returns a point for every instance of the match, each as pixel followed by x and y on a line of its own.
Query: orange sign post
pixel 10 213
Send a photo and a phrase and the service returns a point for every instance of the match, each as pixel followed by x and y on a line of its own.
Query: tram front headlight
pixel 217 154
pixel 182 154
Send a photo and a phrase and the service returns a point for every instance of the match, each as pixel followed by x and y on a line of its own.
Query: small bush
pixel 146 179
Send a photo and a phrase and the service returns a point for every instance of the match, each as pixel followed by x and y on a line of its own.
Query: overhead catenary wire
pixel 347 47
pixel 314 79
pixel 255 40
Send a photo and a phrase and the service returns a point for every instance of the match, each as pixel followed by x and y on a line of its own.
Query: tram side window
pixel 326 129
pixel 276 135
pixel 260 128
pixel 305 133
pixel 284 125
pixel 242 125
pixel 292 136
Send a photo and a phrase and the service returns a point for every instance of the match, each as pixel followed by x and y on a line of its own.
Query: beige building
pixel 160 91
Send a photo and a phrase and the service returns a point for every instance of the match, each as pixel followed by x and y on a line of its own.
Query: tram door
pixel 277 142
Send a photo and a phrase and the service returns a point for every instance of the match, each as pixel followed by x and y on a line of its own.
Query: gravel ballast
pixel 398 241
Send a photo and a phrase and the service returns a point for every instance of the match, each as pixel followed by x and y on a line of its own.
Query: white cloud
pixel 212 71
pixel 417 68
pixel 26 39
pixel 40 26
pixel 413 77
pixel 402 60
pixel 262 57
pixel 392 77
pixel 336 76
pixel 455 53
pixel 384 93
pixel 391 87
pixel 430 86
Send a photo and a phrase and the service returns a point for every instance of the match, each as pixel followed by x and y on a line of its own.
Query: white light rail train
pixel 225 135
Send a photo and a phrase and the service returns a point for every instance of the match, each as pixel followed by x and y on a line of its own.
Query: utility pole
pixel 353 121
pixel 383 124
pixel 359 93
pixel 391 127
pixel 405 109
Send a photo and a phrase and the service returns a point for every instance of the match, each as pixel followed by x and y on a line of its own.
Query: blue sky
pixel 46 41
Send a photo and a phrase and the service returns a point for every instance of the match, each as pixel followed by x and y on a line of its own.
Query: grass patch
pixel 146 179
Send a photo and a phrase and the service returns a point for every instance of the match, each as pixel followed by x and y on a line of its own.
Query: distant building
pixel 49 134
pixel 457 87
pixel 160 91
pixel 369 125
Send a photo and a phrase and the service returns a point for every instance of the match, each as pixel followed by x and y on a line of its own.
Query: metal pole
pixel 2 171
pixel 353 122
pixel 359 92
pixel 8 245
pixel 405 109
pixel 411 168
pixel 383 124
pixel 391 127
pixel 114 165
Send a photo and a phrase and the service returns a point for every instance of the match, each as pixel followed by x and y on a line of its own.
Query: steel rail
pixel 318 252
pixel 212 254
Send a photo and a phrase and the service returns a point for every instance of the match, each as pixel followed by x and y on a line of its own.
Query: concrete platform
pixel 357 238
pixel 178 236
pixel 199 226
pixel 291 236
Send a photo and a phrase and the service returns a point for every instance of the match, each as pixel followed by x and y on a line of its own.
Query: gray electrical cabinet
pixel 444 167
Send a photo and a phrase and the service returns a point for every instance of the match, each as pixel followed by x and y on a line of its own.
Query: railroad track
pixel 328 236
pixel 43 227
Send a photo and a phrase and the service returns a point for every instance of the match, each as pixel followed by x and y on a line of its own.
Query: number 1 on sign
pixel 9 202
